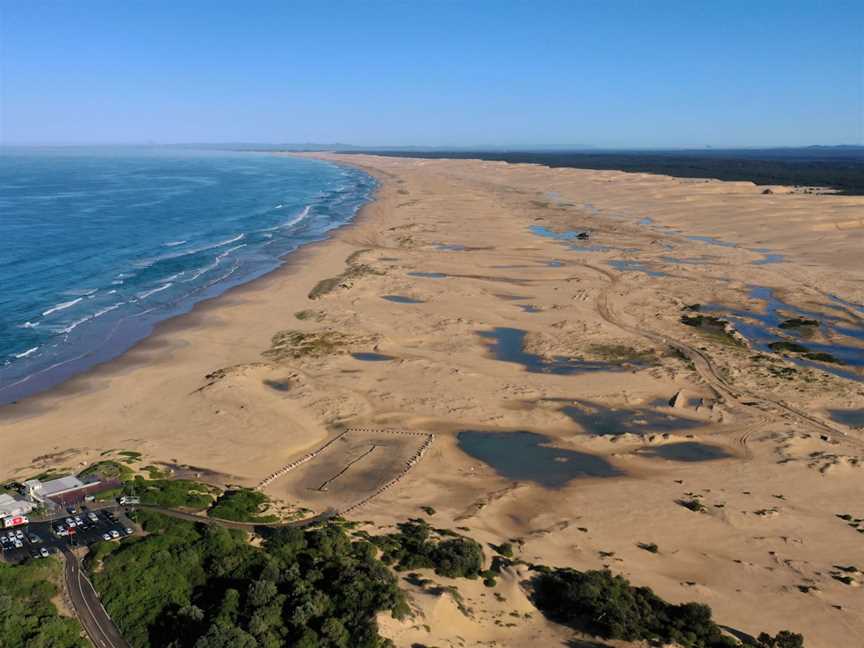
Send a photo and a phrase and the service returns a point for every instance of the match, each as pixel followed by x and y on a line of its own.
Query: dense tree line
pixel 28 618
pixel 193 585
pixel 607 606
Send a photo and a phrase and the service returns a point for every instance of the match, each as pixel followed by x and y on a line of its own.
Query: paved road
pixel 98 625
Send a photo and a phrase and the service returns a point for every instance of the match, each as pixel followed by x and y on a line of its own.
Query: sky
pixel 501 73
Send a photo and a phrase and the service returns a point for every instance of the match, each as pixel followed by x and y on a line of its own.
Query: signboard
pixel 14 520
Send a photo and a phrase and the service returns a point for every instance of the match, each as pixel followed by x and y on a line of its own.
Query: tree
pixel 225 636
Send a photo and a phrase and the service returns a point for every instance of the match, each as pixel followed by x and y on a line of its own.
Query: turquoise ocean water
pixel 99 245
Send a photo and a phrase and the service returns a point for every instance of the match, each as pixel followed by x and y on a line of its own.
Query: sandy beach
pixel 475 297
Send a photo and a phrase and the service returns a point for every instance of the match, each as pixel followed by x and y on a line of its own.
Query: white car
pixel 78 520
pixel 93 517
pixel 19 534
pixel 106 537
pixel 115 534
pixel 129 531
pixel 70 523
pixel 18 543
pixel 43 552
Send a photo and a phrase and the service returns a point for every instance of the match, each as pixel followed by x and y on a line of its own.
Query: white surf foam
pixel 147 293
pixel 27 352
pixel 62 306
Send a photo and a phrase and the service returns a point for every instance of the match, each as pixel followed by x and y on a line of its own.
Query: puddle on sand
pixel 554 263
pixel 768 258
pixel 513 297
pixel 700 260
pixel 593 247
pixel 685 451
pixel 507 346
pixel 428 275
pixel 568 235
pixel 710 240
pixel 601 421
pixel 401 299
pixel 371 357
pixel 529 308
pixel 852 417
pixel 762 328
pixel 278 385
pixel 522 456
pixel 626 265
pixel 646 221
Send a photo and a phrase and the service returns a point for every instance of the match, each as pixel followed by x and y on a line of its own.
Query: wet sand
pixel 509 329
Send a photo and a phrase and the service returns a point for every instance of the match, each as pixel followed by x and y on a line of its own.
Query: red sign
pixel 14 520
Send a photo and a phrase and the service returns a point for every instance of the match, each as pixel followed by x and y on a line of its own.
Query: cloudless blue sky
pixel 534 73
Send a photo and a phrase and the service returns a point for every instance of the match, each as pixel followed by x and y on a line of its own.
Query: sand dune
pixel 492 315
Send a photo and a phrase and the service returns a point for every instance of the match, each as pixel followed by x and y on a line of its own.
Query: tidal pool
pixel 526 456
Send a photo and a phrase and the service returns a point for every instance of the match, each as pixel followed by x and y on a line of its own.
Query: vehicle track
pixel 732 396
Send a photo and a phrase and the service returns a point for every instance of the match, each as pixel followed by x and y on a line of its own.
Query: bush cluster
pixel 418 546
pixel 241 505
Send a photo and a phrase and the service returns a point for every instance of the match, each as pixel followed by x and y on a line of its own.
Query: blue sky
pixel 576 73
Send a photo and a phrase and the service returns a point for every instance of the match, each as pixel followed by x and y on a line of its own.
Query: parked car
pixel 19 534
pixel 18 543
pixel 115 534
pixel 43 552
pixel 70 522
pixel 106 537
pixel 35 539
pixel 129 531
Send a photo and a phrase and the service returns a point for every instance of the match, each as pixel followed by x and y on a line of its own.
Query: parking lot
pixel 41 539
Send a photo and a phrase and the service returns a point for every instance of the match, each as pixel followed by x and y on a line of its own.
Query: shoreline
pixel 471 305
pixel 189 316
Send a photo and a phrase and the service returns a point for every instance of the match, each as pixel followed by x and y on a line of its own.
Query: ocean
pixel 99 245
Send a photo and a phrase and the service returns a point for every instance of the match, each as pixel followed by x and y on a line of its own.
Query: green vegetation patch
pixel 623 353
pixel 242 505
pixel 171 493
pixel 713 326
pixel 201 586
pixel 798 322
pixel 418 546
pixel 28 618
pixel 345 280
pixel 608 606
pixel 108 469
pixel 787 346
pixel 308 314
pixel 315 344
